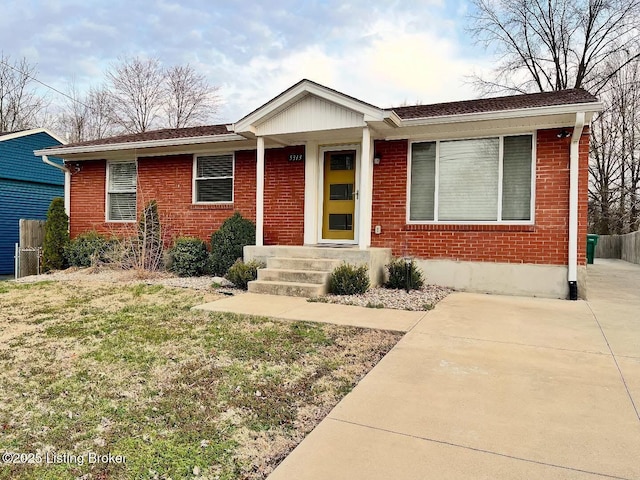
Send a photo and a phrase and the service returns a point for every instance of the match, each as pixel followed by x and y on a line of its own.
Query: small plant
pixel 228 242
pixel 240 273
pixel 188 257
pixel 87 249
pixel 56 236
pixel 349 279
pixel 403 276
pixel 374 305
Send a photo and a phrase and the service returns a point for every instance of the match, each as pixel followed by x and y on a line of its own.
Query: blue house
pixel 27 186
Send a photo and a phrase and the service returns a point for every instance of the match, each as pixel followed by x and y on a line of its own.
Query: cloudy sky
pixel 382 51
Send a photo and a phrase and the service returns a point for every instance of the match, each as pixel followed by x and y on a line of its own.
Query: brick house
pixel 486 195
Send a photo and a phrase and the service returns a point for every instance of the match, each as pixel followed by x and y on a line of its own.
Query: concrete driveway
pixel 496 387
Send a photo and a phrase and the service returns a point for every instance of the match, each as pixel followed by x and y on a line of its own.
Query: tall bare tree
pixel 594 44
pixel 20 105
pixel 190 100
pixel 87 116
pixel 144 95
pixel 555 44
pixel 137 93
pixel 614 187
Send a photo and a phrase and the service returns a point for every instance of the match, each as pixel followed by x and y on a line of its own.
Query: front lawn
pixel 130 370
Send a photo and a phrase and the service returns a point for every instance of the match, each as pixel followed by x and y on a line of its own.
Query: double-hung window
pixel 213 179
pixel 121 191
pixel 479 180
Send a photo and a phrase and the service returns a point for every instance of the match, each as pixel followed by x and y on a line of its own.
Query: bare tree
pixel 137 93
pixel 20 105
pixel 190 100
pixel 555 44
pixel 87 116
pixel 144 95
pixel 614 187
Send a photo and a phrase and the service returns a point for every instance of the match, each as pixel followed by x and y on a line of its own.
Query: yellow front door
pixel 339 195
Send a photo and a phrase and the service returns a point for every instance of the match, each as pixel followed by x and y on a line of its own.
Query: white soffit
pixel 310 114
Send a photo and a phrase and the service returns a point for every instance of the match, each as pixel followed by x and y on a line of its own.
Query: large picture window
pixel 480 180
pixel 213 179
pixel 121 191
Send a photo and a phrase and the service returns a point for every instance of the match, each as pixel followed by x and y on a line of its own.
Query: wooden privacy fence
pixel 29 250
pixel 625 247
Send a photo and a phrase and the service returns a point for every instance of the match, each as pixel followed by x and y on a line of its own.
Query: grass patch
pixel 130 370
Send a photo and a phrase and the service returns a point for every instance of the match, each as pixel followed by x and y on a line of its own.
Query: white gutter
pixel 67 182
pixel 573 200
pixel 168 142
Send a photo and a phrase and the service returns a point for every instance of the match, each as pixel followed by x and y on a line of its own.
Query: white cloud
pixel 388 65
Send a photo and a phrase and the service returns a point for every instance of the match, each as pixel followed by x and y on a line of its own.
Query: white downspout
pixel 67 183
pixel 573 205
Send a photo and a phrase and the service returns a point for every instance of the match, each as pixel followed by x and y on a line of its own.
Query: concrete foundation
pixel 503 278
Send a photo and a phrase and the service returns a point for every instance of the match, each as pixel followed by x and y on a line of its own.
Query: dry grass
pixel 131 370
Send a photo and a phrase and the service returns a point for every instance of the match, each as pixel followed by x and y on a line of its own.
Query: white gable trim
pixel 33 131
pixel 300 90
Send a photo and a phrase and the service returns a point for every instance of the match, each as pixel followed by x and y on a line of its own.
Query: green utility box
pixel 592 241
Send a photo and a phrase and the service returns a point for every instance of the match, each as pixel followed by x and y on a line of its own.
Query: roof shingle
pixel 496 104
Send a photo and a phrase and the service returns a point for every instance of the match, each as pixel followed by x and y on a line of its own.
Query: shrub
pixel 87 249
pixel 349 279
pixel 397 270
pixel 188 257
pixel 240 273
pixel 56 236
pixel 150 248
pixel 227 243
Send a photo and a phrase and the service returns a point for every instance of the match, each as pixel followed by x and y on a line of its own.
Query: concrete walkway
pixel 295 308
pixel 489 387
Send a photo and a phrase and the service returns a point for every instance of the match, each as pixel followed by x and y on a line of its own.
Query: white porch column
pixel 365 190
pixel 260 192
pixel 311 193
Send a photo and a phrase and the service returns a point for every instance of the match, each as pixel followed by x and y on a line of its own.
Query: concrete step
pixel 295 276
pixel 291 263
pixel 291 289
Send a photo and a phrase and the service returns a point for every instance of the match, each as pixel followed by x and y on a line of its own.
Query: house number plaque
pixel 296 157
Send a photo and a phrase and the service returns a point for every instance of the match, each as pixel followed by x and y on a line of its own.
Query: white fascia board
pixel 279 103
pixel 33 131
pixel 505 114
pixel 169 142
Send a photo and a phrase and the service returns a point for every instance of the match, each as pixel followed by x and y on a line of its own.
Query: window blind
pixel 214 178
pixel 423 181
pixel 516 178
pixel 468 180
pixel 121 191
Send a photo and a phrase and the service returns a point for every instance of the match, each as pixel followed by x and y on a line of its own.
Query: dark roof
pixel 164 134
pixel 496 104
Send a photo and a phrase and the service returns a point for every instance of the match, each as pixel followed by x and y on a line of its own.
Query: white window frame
pixel 108 191
pixel 435 221
pixel 194 178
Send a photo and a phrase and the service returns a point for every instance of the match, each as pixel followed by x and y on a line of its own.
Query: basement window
pixel 213 179
pixel 121 191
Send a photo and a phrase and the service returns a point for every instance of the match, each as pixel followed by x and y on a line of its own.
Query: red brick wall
pixel 542 243
pixel 283 197
pixel 168 180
